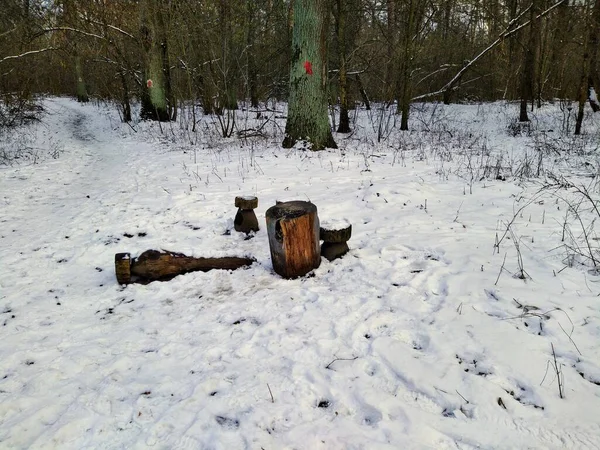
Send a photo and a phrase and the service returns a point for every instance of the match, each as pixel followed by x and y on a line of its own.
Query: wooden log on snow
pixel 293 230
pixel 123 268
pixel 163 265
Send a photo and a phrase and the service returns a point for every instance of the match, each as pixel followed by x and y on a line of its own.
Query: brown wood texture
pixel 341 235
pixel 248 202
pixel 123 268
pixel 293 229
pixel 164 265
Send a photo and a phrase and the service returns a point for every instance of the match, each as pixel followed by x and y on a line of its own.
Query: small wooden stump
pixel 155 265
pixel 245 220
pixel 335 242
pixel 123 268
pixel 293 229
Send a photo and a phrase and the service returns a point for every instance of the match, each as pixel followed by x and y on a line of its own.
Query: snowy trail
pixel 76 199
pixel 406 342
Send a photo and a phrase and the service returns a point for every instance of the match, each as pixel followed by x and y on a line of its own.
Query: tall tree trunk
pixel 406 66
pixel 585 74
pixel 594 73
pixel 251 58
pixel 82 94
pixel 340 25
pixel 528 73
pixel 363 93
pixel 307 111
pixel 156 83
pixel 391 49
pixel 226 77
pixel 125 99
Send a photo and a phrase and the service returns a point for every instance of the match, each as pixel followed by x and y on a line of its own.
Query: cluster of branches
pixel 218 52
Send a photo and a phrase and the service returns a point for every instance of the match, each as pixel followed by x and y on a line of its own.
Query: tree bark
pixel 293 229
pixel 164 265
pixel 583 92
pixel 528 74
pixel 125 98
pixel 404 91
pixel 82 94
pixel 594 72
pixel 340 25
pixel 251 60
pixel 156 86
pixel 307 107
pixel 363 93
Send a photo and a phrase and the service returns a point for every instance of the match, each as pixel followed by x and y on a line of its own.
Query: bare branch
pixel 451 85
pixel 112 27
pixel 75 30
pixel 31 52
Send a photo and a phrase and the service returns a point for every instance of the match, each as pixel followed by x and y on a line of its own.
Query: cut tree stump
pixel 293 230
pixel 245 220
pixel 155 265
pixel 335 245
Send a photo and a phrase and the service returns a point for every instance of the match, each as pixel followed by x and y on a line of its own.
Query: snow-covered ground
pixel 423 336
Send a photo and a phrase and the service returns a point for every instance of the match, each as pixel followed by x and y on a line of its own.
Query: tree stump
pixel 335 242
pixel 245 220
pixel 123 268
pixel 293 229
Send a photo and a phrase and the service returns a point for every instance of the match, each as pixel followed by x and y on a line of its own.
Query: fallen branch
pixel 328 366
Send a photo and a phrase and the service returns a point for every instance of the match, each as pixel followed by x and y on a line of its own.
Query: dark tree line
pixel 168 54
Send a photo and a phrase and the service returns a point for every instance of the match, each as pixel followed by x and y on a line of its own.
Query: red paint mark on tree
pixel 149 84
pixel 308 67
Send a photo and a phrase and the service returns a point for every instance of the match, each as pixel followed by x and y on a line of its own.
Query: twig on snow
pixel 328 366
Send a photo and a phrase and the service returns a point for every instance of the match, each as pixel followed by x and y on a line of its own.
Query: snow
pixel 420 337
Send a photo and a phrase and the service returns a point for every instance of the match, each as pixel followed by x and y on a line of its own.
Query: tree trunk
pixel 594 73
pixel 307 107
pixel 226 78
pixel 340 25
pixel 125 99
pixel 528 74
pixel 391 68
pixel 411 26
pixel 156 83
pixel 251 44
pixel 583 92
pixel 293 229
pixel 82 94
pixel 363 93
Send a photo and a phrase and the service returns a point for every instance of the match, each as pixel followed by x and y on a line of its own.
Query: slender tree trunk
pixel 226 77
pixel 584 77
pixel 82 94
pixel 391 48
pixel 251 61
pixel 594 39
pixel 125 99
pixel 363 93
pixel 340 25
pixel 307 111
pixel 406 66
pixel 528 73
pixel 156 82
